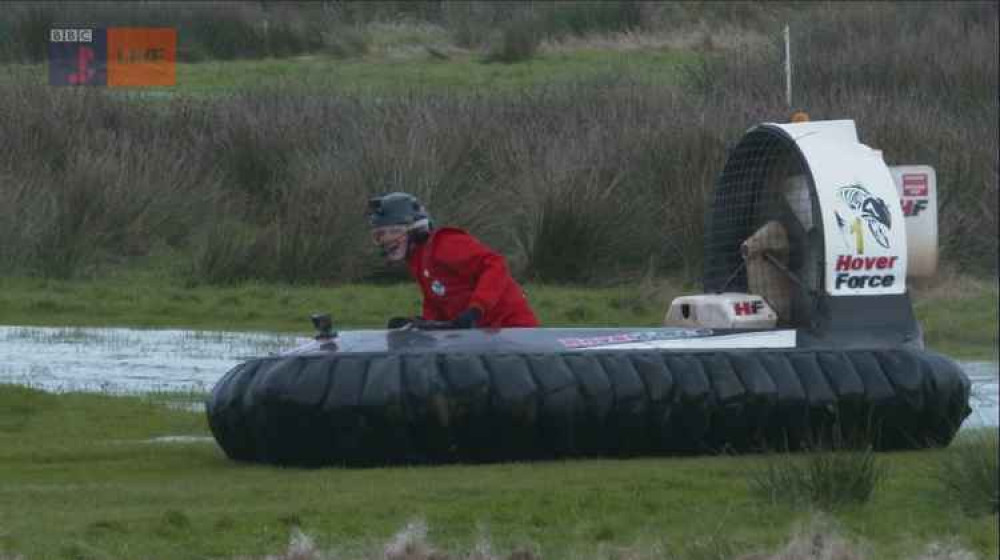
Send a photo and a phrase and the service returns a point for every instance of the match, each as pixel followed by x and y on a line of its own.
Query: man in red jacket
pixel 465 284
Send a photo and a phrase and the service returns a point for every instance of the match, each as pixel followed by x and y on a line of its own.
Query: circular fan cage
pixel 764 232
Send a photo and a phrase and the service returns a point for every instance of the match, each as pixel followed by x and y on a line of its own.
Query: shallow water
pixel 127 360
pixel 140 361
pixel 985 397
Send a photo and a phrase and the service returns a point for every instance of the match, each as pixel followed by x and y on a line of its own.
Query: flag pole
pixel 788 67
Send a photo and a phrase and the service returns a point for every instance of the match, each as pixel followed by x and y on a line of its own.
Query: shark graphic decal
pixel 867 208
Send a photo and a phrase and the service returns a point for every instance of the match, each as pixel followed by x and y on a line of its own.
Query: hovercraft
pixel 805 335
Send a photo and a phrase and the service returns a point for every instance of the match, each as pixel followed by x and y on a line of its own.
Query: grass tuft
pixel 817 540
pixel 949 550
pixel 827 479
pixel 345 41
pixel 410 543
pixel 519 41
pixel 969 472
pixel 583 18
pixel 300 547
pixel 175 519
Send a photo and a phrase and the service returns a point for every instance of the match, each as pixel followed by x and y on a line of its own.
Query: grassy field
pixel 144 300
pixel 387 75
pixel 90 476
pixel 84 476
pixel 958 314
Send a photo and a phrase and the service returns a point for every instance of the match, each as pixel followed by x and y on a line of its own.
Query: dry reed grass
pixel 818 538
pixel 699 37
pixel 598 181
pixel 950 283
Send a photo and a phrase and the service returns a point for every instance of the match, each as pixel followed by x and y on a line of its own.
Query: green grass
pixel 826 480
pixel 969 472
pixel 79 479
pixel 961 323
pixel 382 75
pixel 146 300
pixel 960 317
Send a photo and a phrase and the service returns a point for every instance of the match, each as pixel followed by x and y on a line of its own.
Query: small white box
pixel 721 311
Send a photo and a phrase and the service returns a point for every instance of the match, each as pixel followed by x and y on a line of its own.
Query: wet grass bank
pixel 82 476
pixel 958 314
pixel 145 300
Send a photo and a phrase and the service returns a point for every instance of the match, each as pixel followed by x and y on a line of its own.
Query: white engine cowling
pixel 917 188
pixel 721 311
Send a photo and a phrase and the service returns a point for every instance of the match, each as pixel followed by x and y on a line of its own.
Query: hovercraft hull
pixel 548 393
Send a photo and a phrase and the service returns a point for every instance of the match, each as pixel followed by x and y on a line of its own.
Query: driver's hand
pixel 427 325
pixel 399 322
pixel 467 319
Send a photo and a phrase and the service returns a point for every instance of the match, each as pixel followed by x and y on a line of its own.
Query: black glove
pixel 398 322
pixel 422 324
pixel 467 319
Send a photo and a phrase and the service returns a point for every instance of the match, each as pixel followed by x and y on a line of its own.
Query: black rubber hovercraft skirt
pixel 383 408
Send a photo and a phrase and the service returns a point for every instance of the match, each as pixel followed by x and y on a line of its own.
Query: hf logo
pixel 748 307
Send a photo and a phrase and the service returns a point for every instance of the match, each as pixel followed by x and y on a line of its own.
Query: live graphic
pixel 116 56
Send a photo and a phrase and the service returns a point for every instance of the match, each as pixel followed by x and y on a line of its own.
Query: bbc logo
pixel 71 35
pixel 112 56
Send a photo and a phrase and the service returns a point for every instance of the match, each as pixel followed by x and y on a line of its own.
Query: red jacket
pixel 455 271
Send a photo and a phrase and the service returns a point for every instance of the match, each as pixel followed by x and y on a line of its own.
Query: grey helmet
pixel 397 209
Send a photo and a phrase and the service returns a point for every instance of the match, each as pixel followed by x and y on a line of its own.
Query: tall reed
pixel 602 180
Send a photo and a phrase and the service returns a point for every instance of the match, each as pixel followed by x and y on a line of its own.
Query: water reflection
pixel 137 361
pixel 127 360
pixel 985 397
